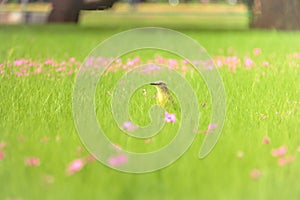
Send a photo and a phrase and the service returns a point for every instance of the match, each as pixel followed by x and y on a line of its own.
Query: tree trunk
pixel 65 11
pixel 277 14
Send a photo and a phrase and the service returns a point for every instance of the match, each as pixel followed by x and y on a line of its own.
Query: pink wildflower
pixel 266 140
pixel 75 166
pixel 19 62
pixel 279 151
pixel 117 160
pixel 256 51
pixel 219 63
pixel 212 126
pixel 170 117
pixel 72 60
pixel 255 173
pixel 248 62
pixel 49 62
pixel 129 126
pixel 70 72
pixel 266 63
pixel 60 69
pixel 38 70
pixel 32 161
pixel 285 160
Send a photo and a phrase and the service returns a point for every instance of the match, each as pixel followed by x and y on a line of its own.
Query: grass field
pixel 257 156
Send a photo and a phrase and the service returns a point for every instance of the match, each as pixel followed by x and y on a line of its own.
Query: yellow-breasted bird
pixel 163 98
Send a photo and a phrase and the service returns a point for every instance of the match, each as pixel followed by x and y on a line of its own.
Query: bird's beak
pixel 153 83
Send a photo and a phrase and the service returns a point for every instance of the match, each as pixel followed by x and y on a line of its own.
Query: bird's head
pixel 159 84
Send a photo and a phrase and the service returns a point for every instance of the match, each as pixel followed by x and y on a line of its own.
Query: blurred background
pixel 193 14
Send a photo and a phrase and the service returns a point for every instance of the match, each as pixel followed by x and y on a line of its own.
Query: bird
pixel 164 97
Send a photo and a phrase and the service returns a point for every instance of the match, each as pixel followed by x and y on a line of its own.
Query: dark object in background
pixel 68 10
pixel 276 14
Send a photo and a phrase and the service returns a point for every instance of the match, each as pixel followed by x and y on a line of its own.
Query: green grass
pixel 37 107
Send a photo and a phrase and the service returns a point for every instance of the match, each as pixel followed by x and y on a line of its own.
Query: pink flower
pixel 136 60
pixel 219 63
pixel 266 63
pixel 1 155
pixel 296 55
pixel 60 69
pixel 170 117
pixel 266 140
pixel 118 60
pixel 255 173
pixel 75 166
pixel 285 160
pixel 38 70
pixel 117 160
pixel 209 67
pixel 19 62
pixel 130 63
pixel 279 151
pixel 129 126
pixel 72 60
pixel 49 62
pixel 32 161
pixel 248 62
pixel 70 72
pixel 256 51
pixel 212 126
pixel 232 63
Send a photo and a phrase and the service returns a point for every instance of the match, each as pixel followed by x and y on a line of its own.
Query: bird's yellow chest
pixel 160 98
